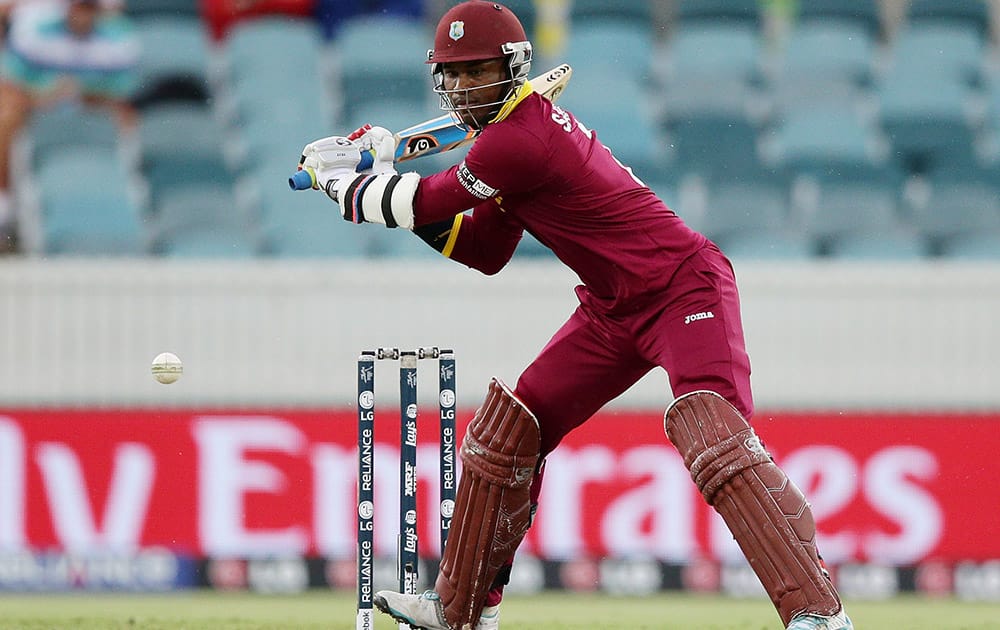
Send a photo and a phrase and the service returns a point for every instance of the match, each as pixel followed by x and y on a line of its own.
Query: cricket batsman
pixel 654 293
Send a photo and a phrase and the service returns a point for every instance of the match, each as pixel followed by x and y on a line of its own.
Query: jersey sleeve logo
pixel 475 186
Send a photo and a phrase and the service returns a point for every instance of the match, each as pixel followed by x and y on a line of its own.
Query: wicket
pixel 407 550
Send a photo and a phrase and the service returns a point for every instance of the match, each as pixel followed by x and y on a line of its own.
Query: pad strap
pixel 385 199
pixel 766 513
pixel 492 506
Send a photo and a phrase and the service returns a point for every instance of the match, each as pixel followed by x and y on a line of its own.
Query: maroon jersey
pixel 541 170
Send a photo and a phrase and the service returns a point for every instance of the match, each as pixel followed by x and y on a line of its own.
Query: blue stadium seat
pixel 87 206
pixel 737 208
pixel 690 12
pixel 70 127
pixel 382 58
pixel 778 245
pixel 934 49
pixel 142 8
pixel 203 221
pixel 982 246
pixel 273 44
pixel 212 241
pixel 615 45
pixel 926 119
pixel 304 224
pixel 713 144
pixel 619 116
pixel 966 14
pixel 892 245
pixel 863 13
pixel 179 143
pixel 830 51
pixel 95 225
pixel 957 208
pixel 175 48
pixel 637 13
pixel 720 51
pixel 826 143
pixel 848 208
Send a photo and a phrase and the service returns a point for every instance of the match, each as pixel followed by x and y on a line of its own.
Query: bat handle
pixel 303 180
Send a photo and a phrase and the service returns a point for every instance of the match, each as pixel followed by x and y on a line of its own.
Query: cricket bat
pixel 441 134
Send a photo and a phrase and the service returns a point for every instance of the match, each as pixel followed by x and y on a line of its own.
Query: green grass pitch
pixel 551 611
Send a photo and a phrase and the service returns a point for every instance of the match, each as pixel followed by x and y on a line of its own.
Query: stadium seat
pixel 778 245
pixel 843 208
pixel 268 43
pixel 600 45
pixel 95 225
pixel 87 205
pixel 966 14
pixel 831 50
pixel 935 49
pixel 143 8
pixel 863 13
pixel 181 143
pixel 719 51
pixel 713 144
pixel 981 246
pixel 926 118
pixel 891 245
pixel 689 12
pixel 304 224
pixel 175 59
pixel 209 242
pixel 382 58
pixel 203 221
pixel 737 208
pixel 201 203
pixel 70 127
pixel 620 117
pixel 957 208
pixel 827 143
pixel 637 13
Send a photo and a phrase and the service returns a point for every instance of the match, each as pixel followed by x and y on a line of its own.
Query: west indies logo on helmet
pixel 478 30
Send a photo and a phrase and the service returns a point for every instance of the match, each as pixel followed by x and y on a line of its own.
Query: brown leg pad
pixel 492 505
pixel 768 516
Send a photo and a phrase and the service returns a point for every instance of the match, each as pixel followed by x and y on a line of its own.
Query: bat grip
pixel 302 180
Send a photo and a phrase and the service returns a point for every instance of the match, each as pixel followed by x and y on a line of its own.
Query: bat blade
pixel 441 134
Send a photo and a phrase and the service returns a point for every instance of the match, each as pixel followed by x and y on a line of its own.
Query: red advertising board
pixel 896 489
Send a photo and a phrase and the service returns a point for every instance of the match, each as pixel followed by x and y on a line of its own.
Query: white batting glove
pixel 329 159
pixel 382 144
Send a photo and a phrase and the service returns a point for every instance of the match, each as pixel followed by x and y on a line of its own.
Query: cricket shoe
pixel 840 621
pixel 425 612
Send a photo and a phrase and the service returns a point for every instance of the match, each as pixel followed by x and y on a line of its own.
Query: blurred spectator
pixel 70 51
pixel 220 15
pixel 333 13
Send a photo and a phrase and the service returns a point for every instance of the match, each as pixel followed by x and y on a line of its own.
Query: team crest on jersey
pixel 457 30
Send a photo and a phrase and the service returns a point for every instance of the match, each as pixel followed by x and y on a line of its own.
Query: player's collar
pixel 509 106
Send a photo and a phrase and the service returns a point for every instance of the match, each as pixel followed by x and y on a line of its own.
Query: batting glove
pixel 382 145
pixel 329 159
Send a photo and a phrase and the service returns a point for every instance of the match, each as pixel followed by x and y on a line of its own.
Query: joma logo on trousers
pixel 696 316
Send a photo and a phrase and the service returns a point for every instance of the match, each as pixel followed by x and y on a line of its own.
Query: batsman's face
pixel 475 88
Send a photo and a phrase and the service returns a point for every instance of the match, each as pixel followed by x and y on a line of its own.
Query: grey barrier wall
pixel 923 336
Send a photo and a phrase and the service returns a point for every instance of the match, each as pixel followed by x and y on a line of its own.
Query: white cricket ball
pixel 167 368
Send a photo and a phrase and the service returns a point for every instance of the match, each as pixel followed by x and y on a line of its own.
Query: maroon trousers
pixel 693 331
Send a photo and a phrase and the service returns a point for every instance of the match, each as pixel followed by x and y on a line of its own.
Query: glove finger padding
pixel 382 145
pixel 329 159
